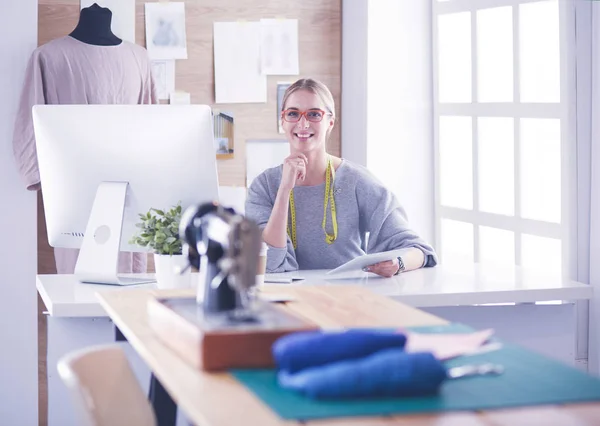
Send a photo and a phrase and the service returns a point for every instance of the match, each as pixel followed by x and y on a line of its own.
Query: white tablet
pixel 358 263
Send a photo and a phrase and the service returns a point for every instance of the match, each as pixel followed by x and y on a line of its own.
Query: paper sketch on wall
pixel 164 77
pixel 281 88
pixel 238 78
pixel 123 16
pixel 165 30
pixel 223 131
pixel 279 46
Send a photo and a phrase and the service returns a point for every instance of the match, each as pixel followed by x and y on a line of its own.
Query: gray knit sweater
pixel 363 205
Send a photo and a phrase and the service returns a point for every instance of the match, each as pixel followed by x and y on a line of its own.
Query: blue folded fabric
pixel 297 351
pixel 388 373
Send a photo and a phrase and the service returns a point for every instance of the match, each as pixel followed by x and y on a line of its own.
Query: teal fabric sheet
pixel 529 379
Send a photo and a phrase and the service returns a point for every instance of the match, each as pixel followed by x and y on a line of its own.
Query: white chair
pixel 104 388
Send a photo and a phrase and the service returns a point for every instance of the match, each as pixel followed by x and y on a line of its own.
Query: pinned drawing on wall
pixel 165 30
pixel 237 63
pixel 279 47
pixel 223 133
pixel 164 77
pixel 281 88
pixel 123 16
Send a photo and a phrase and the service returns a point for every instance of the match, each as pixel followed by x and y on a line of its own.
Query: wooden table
pixel 219 400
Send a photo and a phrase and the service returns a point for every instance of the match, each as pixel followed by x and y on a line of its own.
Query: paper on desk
pixel 123 16
pixel 275 279
pixel 237 63
pixel 263 154
pixel 164 77
pixel 165 30
pixel 446 346
pixel 279 46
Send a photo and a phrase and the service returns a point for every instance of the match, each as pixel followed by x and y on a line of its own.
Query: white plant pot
pixel 167 271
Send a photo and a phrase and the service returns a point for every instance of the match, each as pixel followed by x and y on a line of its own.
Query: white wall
pixel 18 249
pixel 580 107
pixel 354 80
pixel 392 132
pixel 586 245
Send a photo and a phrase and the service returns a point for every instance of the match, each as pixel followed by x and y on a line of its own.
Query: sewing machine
pixel 226 324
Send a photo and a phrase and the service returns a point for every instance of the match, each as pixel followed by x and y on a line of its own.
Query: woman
pixel 316 208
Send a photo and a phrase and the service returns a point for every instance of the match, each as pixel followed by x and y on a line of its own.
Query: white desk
pixel 458 285
pixel 76 320
pixel 455 293
pixel 64 296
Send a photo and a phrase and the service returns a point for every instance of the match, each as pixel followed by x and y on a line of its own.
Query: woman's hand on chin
pixel 294 170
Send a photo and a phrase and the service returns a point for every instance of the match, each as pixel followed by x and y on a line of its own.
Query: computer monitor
pixel 102 165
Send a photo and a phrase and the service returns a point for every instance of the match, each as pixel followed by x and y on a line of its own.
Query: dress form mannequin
pixel 94 27
pixel 89 66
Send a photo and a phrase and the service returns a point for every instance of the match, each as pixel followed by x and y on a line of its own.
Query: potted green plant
pixel 159 231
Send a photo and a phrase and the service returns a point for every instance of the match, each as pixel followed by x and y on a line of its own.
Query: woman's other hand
pixel 294 171
pixel 385 269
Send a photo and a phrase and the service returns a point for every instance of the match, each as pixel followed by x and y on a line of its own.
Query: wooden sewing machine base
pixel 220 341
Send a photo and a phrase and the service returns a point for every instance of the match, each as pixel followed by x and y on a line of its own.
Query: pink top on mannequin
pixel 68 71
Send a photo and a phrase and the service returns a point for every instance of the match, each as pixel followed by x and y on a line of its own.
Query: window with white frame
pixel 502 160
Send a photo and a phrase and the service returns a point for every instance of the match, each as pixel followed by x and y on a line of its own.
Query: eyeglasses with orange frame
pixel 313 115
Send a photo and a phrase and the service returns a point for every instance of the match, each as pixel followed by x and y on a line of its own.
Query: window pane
pixel 456 159
pixel 539 52
pixel 495 55
pixel 496 165
pixel 496 246
pixel 540 169
pixel 456 241
pixel 541 254
pixel 454 57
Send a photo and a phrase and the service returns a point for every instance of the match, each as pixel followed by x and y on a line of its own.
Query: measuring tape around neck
pixel 327 201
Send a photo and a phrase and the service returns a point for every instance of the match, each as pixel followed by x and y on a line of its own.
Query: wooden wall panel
pixel 319 24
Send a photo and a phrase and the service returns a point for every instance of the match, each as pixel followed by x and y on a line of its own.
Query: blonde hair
pixel 315 87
